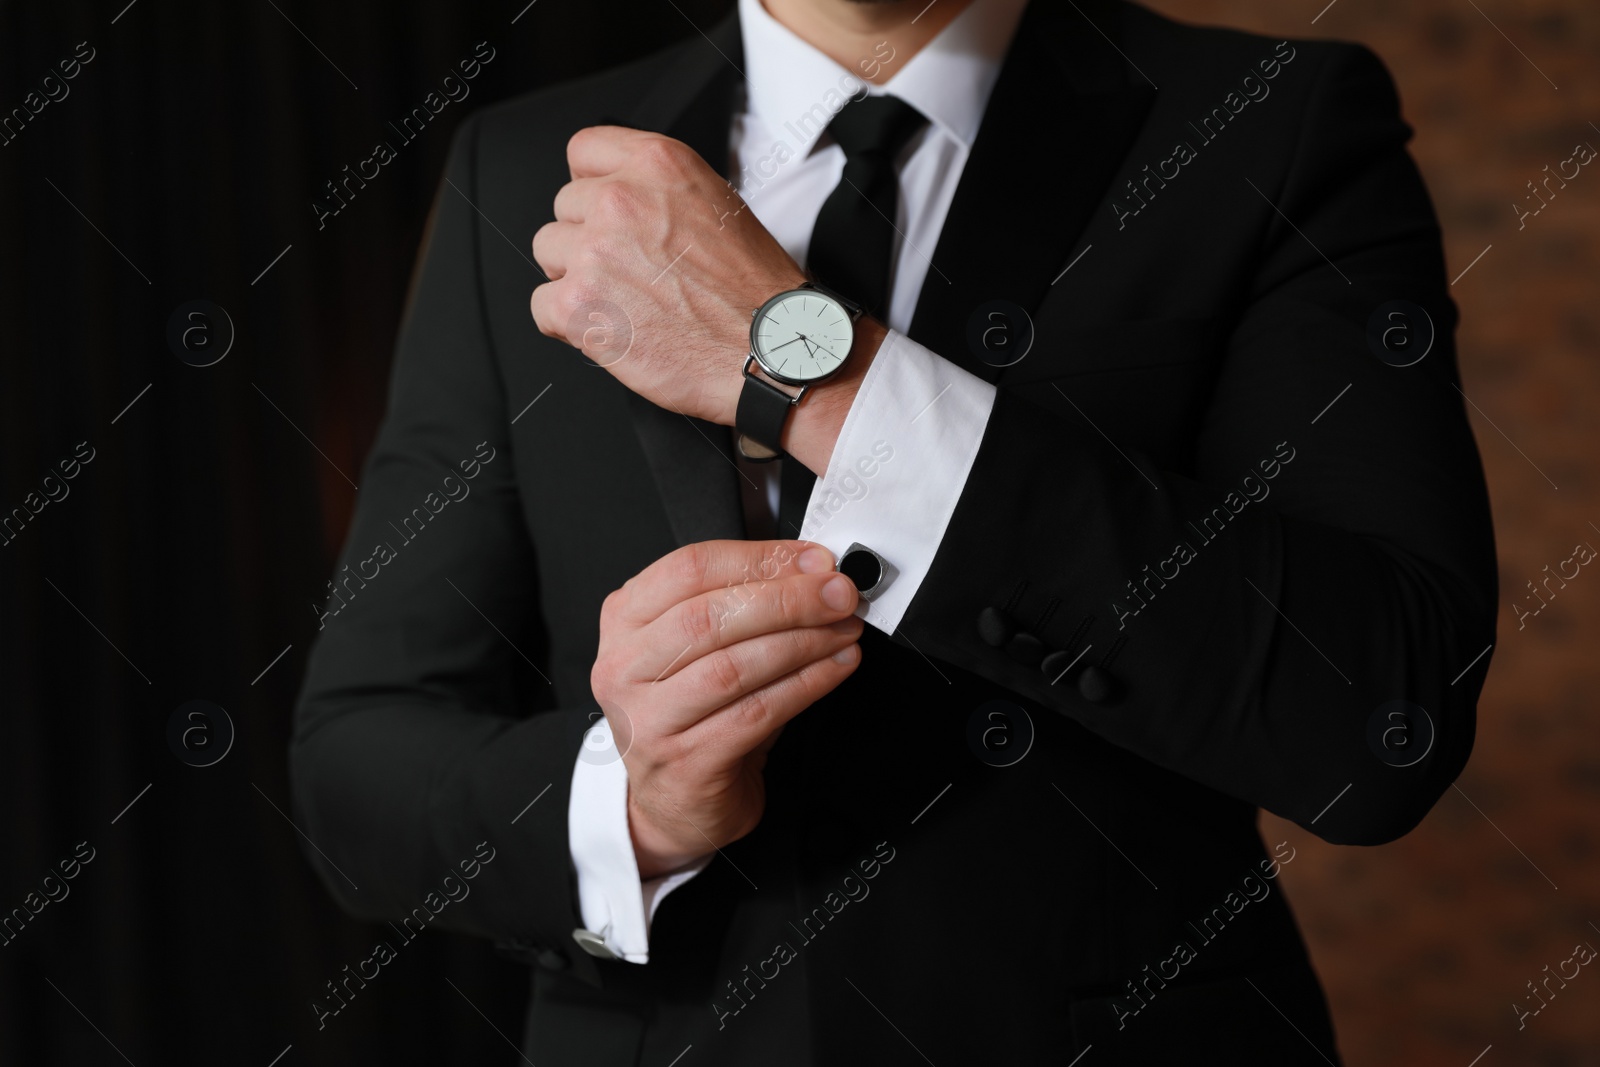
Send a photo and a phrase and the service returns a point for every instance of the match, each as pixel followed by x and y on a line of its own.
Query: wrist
pixel 815 422
pixel 654 852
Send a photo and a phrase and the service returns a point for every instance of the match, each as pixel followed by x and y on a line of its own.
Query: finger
pixel 710 621
pixel 743 725
pixel 554 245
pixel 727 674
pixel 575 200
pixel 597 150
pixel 544 305
pixel 707 565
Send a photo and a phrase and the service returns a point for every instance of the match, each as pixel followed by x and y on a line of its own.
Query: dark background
pixel 201 533
pixel 189 553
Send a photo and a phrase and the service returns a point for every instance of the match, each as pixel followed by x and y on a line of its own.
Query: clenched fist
pixel 647 227
pixel 704 656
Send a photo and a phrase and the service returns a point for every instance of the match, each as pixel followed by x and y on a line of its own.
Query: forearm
pixel 1248 654
pixel 394 797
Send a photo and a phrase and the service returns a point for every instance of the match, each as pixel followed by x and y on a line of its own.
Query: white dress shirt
pixel 914 427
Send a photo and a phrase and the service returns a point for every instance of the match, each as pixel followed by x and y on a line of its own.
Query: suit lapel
pixel 1060 120
pixel 692 460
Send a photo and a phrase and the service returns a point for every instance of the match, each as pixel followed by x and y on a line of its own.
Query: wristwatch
pixel 799 337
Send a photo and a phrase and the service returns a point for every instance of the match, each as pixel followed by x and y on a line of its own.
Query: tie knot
pixel 875 125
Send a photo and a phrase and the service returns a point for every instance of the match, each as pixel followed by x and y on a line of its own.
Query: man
pixel 1147 518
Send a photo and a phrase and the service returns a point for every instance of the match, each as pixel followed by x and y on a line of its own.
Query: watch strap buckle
pixel 754 451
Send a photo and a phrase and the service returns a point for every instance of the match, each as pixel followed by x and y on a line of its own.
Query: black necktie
pixel 852 243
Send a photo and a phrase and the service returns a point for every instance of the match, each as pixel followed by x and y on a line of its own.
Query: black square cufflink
pixel 870 572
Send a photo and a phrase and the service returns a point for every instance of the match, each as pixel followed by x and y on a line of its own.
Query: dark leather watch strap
pixel 851 308
pixel 762 411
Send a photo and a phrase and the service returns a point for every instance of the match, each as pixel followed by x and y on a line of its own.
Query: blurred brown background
pixel 1424 945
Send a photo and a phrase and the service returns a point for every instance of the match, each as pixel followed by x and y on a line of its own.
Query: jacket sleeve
pixel 424 729
pixel 1247 622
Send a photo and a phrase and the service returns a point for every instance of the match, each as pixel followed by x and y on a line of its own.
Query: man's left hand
pixel 648 230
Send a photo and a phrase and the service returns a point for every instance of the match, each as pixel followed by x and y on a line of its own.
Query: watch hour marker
pixel 778 334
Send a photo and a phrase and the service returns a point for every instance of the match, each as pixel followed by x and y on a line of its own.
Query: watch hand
pixel 819 349
pixel 791 341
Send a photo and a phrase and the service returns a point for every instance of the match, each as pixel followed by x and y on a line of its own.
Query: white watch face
pixel 801 336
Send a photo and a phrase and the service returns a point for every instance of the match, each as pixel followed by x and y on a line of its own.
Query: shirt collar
pixel 949 80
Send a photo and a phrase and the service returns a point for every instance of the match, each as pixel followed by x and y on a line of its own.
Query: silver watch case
pixel 755 323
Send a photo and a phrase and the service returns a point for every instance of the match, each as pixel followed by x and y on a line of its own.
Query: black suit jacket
pixel 1110 888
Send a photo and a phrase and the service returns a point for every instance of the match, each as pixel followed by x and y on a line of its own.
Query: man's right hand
pixel 704 656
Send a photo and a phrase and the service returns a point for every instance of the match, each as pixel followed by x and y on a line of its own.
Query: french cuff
pixel 898 468
pixel 616 907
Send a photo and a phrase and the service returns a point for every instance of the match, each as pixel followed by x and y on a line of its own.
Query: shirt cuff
pixel 612 901
pixel 899 466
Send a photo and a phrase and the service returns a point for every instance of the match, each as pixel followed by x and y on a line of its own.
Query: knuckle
pixel 543 304
pixel 808 642
pixel 611 607
pixel 724 673
pixel 616 198
pixel 662 750
pixel 578 292
pixel 661 153
pixel 699 621
pixel 753 711
pixel 575 142
pixel 552 298
pixel 790 602
pixel 689 564
pixel 601 676
pixel 811 680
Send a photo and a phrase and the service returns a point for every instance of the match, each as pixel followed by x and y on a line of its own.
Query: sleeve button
pixel 995 627
pixel 1057 662
pixel 1097 685
pixel 1025 648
